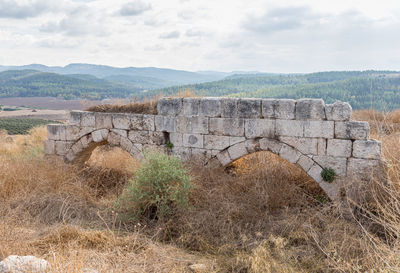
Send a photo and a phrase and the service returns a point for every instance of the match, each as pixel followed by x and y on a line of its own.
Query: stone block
pixel 237 151
pixel 142 122
pixel 176 139
pixel 126 144
pixel 103 120
pixel 195 125
pixel 224 158
pixel 307 146
pixel 191 107
pixel 169 106
pixel 216 142
pixel 319 128
pixel 165 124
pixel 315 173
pixel 75 118
pixel 123 133
pixel 338 164
pixel 98 136
pixel 278 108
pixel 249 108
pixel 157 138
pixel 114 139
pixel 53 131
pixel 71 156
pixel 290 154
pixel 77 147
pixel 210 107
pixel 252 145
pixel 121 121
pixel 183 153
pixel 229 107
pixel 62 147
pixel 305 163
pixel 49 147
pixel 271 145
pixel 72 132
pixel 259 128
pixel 339 147
pixel 307 109
pixel 227 126
pixel 88 119
pixel 352 129
pixel 234 140
pixel 321 146
pixel 338 111
pixel 86 140
pixel 289 127
pixel 193 140
pixel 363 169
pixel 142 137
pixel 368 149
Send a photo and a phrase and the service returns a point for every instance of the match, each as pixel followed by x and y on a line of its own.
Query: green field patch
pixel 21 126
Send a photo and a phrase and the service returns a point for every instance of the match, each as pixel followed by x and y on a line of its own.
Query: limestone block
pixel 216 142
pixel 88 119
pixel 234 140
pixel 352 129
pixel 165 124
pixel 315 173
pixel 224 158
pixel 304 145
pixel 252 145
pixel 62 147
pixel 227 126
pixel 121 121
pixel 338 111
pixel 322 146
pixel 191 107
pixel 183 153
pixel 193 140
pixel 305 163
pixel 210 107
pixel 24 264
pixel 85 131
pixel 114 139
pixel 53 131
pixel 156 138
pixel 338 164
pixel 271 145
pixel 237 151
pixel 126 144
pixel 98 136
pixel 363 169
pixel 278 109
pixel 369 149
pixel 229 107
pixel 319 128
pixel 77 147
pixel 71 156
pixel 142 137
pixel 123 133
pixel 249 108
pixel 310 109
pixel 176 139
pixel 49 147
pixel 289 127
pixel 339 147
pixel 86 140
pixel 195 125
pixel 142 122
pixel 72 132
pixel 290 154
pixel 201 154
pixel 75 118
pixel 103 120
pixel 169 106
pixel 259 128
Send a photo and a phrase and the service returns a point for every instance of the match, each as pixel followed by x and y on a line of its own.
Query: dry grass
pixel 261 215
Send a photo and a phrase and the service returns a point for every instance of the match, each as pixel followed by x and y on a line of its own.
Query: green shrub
pixel 161 185
pixel 328 174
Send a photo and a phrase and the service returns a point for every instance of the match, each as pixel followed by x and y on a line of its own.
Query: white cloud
pixel 170 35
pixel 134 8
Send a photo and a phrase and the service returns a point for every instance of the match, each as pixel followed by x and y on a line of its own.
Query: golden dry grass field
pixel 261 215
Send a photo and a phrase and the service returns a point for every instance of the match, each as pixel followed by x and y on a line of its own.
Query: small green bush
pixel 161 184
pixel 328 174
pixel 169 145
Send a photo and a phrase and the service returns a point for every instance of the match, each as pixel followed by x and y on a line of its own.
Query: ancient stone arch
pixel 305 132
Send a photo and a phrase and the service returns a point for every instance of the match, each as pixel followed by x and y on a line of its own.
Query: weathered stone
pixel 157 138
pixel 195 125
pixel 319 128
pixel 114 138
pixel 224 158
pixel 227 126
pixel 123 133
pixel 24 264
pixel 210 107
pixel 229 107
pixel 307 109
pixel 98 136
pixel 363 169
pixel 338 111
pixel 201 154
pixel 233 140
pixel 338 164
pixel 249 108
pixel 339 147
pixel 88 119
pixel 49 147
pixel 62 147
pixel 369 149
pixel 86 140
pixel 271 145
pixel 142 137
pixel 352 129
pixel 183 153
pixel 289 127
pixel 176 139
pixel 322 146
pixel 216 142
pixel 305 163
pixel 75 118
pixel 191 106
pixel 169 106
pixel 315 173
pixel 103 120
pixel 165 124
pixel 259 128
pixel 252 145
pixel 193 140
pixel 121 121
pixel 77 147
pixel 53 131
pixel 142 122
pixel 278 109
pixel 304 145
pixel 290 154
pixel 72 132
pixel 237 151
pixel 126 144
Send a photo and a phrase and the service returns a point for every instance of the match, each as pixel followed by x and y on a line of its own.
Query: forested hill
pixel 360 88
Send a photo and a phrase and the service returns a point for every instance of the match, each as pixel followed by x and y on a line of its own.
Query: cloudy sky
pixel 225 35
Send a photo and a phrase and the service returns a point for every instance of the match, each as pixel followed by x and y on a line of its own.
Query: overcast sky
pixel 225 35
